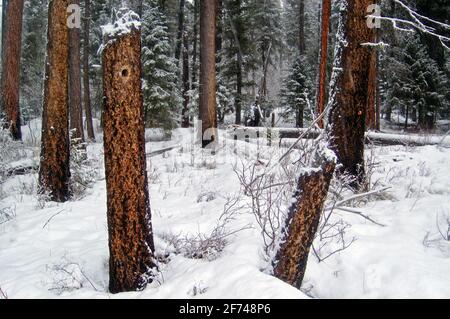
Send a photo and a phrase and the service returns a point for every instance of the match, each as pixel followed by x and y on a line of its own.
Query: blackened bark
pixel 302 223
pixel 86 84
pixel 208 109
pixel 129 219
pixel 350 90
pixel 75 97
pixel 11 49
pixel 321 92
pixel 54 172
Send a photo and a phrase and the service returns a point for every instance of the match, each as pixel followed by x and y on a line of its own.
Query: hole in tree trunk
pixel 125 73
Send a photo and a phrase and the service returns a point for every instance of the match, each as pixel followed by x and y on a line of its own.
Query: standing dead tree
pixel 303 220
pixel 349 89
pixel 129 219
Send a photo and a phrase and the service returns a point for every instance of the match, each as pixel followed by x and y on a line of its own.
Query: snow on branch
pixel 417 23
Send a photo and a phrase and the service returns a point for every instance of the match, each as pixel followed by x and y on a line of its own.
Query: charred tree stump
pixel 129 218
pixel 302 223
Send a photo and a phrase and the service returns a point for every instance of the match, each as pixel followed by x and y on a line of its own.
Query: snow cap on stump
pixel 124 21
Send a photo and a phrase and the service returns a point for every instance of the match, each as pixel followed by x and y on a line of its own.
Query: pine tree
pixel 33 58
pixel 416 88
pixel 10 79
pixel 54 172
pixel 296 90
pixel 161 90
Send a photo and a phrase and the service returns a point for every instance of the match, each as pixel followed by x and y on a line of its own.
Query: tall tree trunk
pixel 349 94
pixel 75 97
pixel 301 51
pixel 11 48
pixel 208 109
pixel 371 115
pixel 180 30
pixel 54 173
pixel 185 123
pixel 195 46
pixel 86 84
pixel 393 40
pixel 301 224
pixel 325 29
pixel 129 219
pixel 301 27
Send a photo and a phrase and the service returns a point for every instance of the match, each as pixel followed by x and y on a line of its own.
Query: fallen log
pixel 248 133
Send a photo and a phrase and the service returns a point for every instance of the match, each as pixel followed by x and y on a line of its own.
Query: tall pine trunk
pixel 75 97
pixel 301 52
pixel 195 46
pixel 179 43
pixel 11 49
pixel 129 219
pixel 349 94
pixel 185 120
pixel 54 173
pixel 86 84
pixel 325 29
pixel 208 109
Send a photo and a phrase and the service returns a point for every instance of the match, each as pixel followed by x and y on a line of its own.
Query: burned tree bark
pixel 302 223
pixel 75 99
pixel 11 48
pixel 321 92
pixel 86 85
pixel 129 218
pixel 208 109
pixel 54 173
pixel 349 94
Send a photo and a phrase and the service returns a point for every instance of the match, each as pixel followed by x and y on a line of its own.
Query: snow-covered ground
pixel 50 250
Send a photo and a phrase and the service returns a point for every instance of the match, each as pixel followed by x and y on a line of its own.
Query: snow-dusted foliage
pixel 161 91
pixel 124 21
pixel 296 89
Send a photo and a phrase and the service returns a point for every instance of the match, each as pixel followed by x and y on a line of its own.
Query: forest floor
pixel 50 250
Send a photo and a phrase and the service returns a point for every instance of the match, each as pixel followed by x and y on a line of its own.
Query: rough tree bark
pixel 301 51
pixel 180 31
pixel 129 219
pixel 349 94
pixel 371 115
pixel 208 109
pixel 86 84
pixel 302 222
pixel 54 172
pixel 195 46
pixel 11 49
pixel 185 121
pixel 75 97
pixel 325 29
